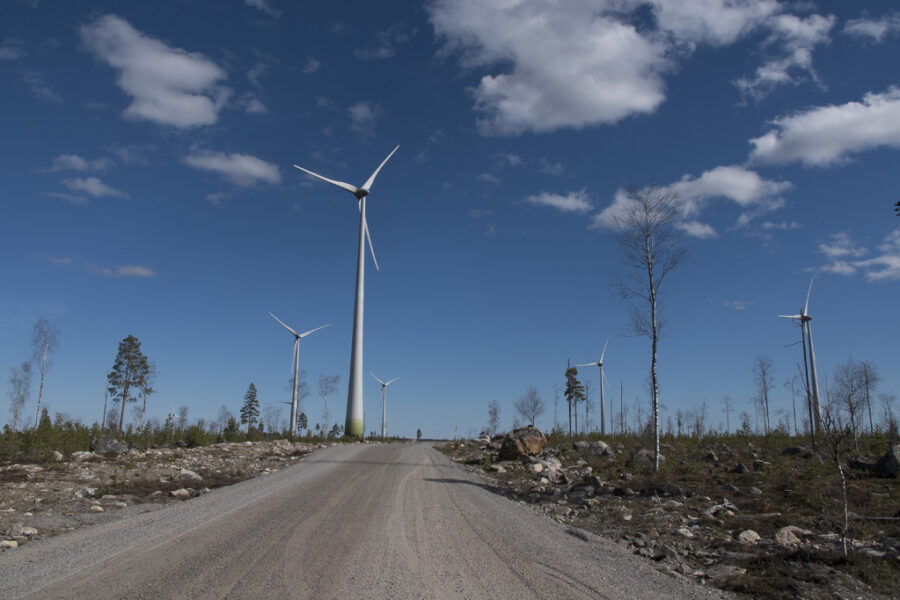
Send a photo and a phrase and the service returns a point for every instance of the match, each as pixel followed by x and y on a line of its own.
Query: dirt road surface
pixel 357 521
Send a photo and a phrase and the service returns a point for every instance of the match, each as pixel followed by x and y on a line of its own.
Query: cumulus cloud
pixel 747 189
pixel 12 49
pixel 167 85
pixel 876 29
pixel 488 178
pixel 385 43
pixel 240 169
pixel 829 134
pixel 845 258
pixel 364 117
pixel 74 162
pixel 795 39
pixel 312 65
pixel 573 202
pixel 93 187
pixel 264 6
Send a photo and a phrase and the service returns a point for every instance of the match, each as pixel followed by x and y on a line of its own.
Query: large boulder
pixel 108 443
pixel 519 443
pixel 644 458
pixel 888 466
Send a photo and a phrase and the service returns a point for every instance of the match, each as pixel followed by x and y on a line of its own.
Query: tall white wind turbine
pixel 295 365
pixel 804 319
pixel 599 363
pixel 383 403
pixel 354 425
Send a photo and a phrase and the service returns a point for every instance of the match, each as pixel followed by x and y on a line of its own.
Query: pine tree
pixel 130 372
pixel 302 422
pixel 574 392
pixel 250 408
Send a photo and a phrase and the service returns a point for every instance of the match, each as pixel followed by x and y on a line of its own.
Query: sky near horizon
pixel 148 189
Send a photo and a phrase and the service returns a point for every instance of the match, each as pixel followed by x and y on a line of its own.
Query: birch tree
pixel 645 225
pixel 44 340
pixel 19 390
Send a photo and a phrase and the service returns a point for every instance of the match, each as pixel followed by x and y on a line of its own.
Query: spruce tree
pixel 250 408
pixel 574 392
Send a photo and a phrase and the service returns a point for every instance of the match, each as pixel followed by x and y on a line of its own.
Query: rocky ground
pixel 39 500
pixel 759 521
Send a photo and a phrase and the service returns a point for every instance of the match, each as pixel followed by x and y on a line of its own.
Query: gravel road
pixel 357 521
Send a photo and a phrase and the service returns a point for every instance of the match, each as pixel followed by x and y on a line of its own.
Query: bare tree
pixel 530 405
pixel 19 390
pixel 762 375
pixel 848 387
pixel 493 418
pixel 646 230
pixel 871 377
pixel 44 340
pixel 727 406
pixel 790 384
pixel 327 386
pixel 182 418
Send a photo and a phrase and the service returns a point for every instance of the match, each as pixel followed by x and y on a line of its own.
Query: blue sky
pixel 147 189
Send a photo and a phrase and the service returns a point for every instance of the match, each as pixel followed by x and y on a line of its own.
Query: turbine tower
pixel 354 425
pixel 804 319
pixel 599 363
pixel 295 365
pixel 383 404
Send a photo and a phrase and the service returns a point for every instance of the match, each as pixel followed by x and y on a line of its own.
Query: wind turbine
pixel 383 409
pixel 804 319
pixel 599 363
pixel 295 365
pixel 354 424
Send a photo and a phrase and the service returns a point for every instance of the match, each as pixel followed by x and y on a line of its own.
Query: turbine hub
pixel 360 194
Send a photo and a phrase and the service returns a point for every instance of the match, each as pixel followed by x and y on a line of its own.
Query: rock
pixel 644 458
pixel 56 456
pixel 108 443
pixel 86 492
pixel 672 504
pixel 581 445
pixel 740 469
pixel 29 531
pixel 552 462
pixel 535 468
pixel 755 491
pixel 188 474
pixel 797 451
pixel 584 471
pixel 785 537
pixel 96 508
pixel 685 532
pixel 519 443
pixel 83 456
pixel 674 490
pixel 9 544
pixel 888 466
pixel 712 457
pixel 889 543
pixel 180 493
pixel 748 536
pixel 557 476
pixel 730 487
pixel 759 465
pixel 496 469
pixel 624 491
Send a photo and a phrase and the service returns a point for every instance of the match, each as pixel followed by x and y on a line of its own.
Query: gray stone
pixel 83 456
pixel 188 474
pixel 748 536
pixel 581 445
pixel 9 544
pixel 888 466
pixel 785 537
pixel 96 508
pixel 674 490
pixel 740 469
pixel 180 493
pixel 108 443
pixel 685 532
pixel 644 458
pixel 535 468
pixel 889 543
pixel 797 451
pixel 519 443
pixel 730 487
pixel 56 456
pixel 712 456
pixel 755 491
pixel 497 469
pixel 86 492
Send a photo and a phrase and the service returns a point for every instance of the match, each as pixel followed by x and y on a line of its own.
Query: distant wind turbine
pixel 355 424
pixel 383 404
pixel 599 363
pixel 813 387
pixel 295 365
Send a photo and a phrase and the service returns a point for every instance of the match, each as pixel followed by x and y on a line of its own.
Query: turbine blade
pixel 306 333
pixel 371 249
pixel 391 381
pixel 283 325
pixel 808 292
pixel 791 316
pixel 602 354
pixel 588 365
pixel 376 379
pixel 344 186
pixel 368 184
pixel 606 380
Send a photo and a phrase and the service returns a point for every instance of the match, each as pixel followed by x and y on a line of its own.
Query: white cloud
pixel 217 199
pixel 737 304
pixel 312 65
pixel 717 22
pixel 576 202
pixel 73 162
pixel 117 271
pixel 93 187
pixel 795 37
pixel 697 229
pixel 168 85
pixel 568 64
pixel 385 43
pixel 780 226
pixel 40 88
pixel 877 29
pixel 240 169
pixel 488 178
pixel 12 49
pixel 829 134
pixel 884 266
pixel 264 6
pixel 364 117
pixel 72 199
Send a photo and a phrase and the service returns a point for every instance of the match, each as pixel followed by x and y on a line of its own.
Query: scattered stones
pixel 888 466
pixel 526 441
pixel 748 536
